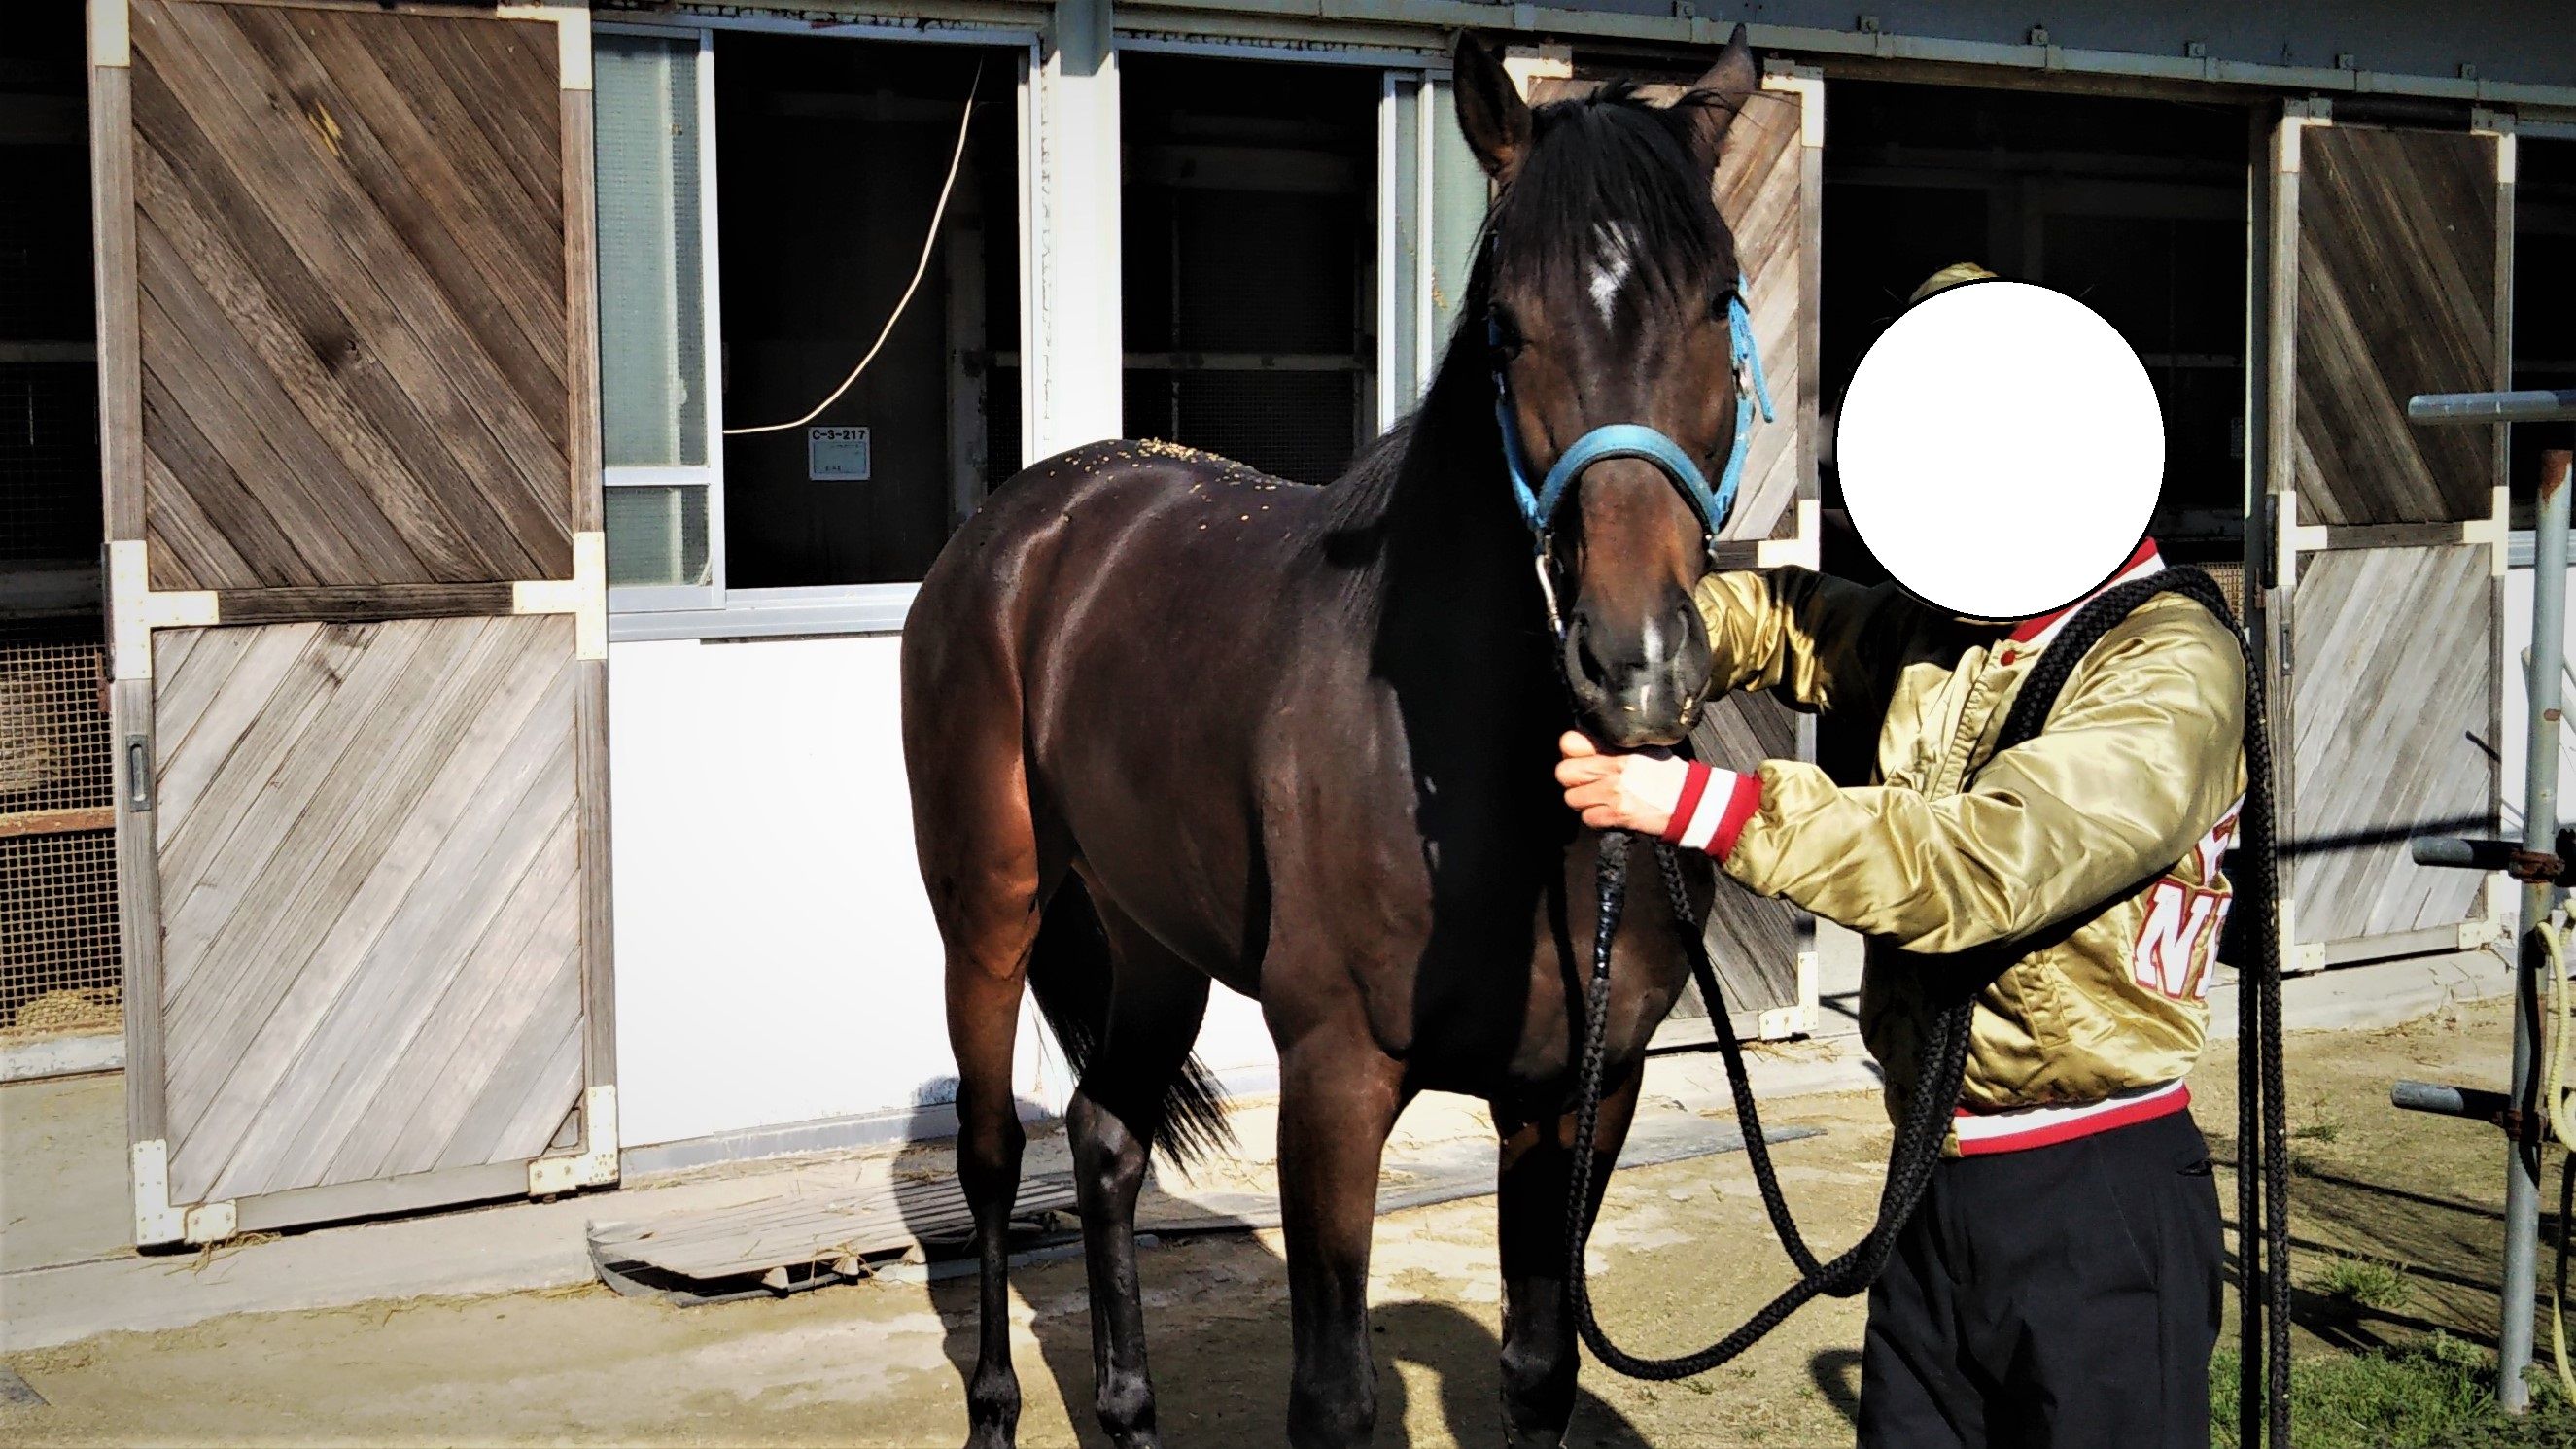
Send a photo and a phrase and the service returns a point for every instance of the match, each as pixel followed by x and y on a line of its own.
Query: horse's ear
pixel 1733 78
pixel 1491 113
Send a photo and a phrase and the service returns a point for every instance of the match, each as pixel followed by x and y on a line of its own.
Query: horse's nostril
pixel 1588 663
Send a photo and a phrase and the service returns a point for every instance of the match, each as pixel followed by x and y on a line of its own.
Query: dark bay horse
pixel 1169 721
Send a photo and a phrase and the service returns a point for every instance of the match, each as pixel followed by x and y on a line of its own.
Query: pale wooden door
pixel 2384 548
pixel 348 405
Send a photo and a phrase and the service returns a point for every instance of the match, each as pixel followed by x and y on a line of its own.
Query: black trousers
pixel 2057 1296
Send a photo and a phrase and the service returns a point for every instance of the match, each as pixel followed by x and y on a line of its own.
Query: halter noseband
pixel 1635 440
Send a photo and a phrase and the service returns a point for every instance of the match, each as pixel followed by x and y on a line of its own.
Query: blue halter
pixel 1636 440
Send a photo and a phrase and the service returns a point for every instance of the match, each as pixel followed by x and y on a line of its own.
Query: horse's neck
pixel 1461 609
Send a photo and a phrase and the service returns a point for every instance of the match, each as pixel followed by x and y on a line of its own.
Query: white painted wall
pixel 776 960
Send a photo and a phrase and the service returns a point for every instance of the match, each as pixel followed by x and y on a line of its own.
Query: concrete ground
pixel 67 1274
pixel 1683 1251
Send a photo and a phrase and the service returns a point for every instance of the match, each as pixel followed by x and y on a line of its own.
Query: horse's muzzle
pixel 1638 686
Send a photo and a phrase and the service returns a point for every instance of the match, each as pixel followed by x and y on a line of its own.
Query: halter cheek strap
pixel 1636 440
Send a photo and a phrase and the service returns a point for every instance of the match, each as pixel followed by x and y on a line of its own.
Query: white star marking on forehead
pixel 1612 262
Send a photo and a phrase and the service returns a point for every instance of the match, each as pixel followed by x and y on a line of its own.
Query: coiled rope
pixel 2262 1188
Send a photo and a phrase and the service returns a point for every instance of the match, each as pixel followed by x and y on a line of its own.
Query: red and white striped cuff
pixel 1713 808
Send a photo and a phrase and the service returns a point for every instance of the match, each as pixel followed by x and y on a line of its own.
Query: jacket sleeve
pixel 2140 757
pixel 1826 643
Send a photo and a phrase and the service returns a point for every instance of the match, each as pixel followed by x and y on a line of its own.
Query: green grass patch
pixel 2435 1394
pixel 2366 1281
pixel 2321 1125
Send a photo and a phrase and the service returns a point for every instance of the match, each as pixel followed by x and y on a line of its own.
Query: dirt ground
pixel 1683 1253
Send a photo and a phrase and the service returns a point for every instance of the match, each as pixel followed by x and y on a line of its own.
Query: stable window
pixel 759 478
pixel 2544 297
pixel 1250 258
pixel 835 158
pixel 2138 208
pixel 1295 236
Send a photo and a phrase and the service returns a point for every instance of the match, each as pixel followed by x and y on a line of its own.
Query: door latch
pixel 138 773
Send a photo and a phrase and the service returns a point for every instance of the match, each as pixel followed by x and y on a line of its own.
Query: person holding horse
pixel 2061 1282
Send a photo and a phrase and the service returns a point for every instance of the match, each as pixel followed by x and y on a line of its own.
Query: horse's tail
pixel 1071 972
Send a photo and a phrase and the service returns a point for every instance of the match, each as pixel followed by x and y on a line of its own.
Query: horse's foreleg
pixel 1112 1121
pixel 1540 1354
pixel 1337 1101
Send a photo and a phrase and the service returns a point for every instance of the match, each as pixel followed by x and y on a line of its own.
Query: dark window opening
pixel 830 157
pixel 2544 302
pixel 1247 258
pixel 50 522
pixel 2138 208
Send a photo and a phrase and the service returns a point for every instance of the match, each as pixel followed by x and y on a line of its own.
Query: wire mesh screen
pixel 59 968
pixel 2231 582
pixel 58 959
pixel 1266 272
pixel 53 734
pixel 1296 425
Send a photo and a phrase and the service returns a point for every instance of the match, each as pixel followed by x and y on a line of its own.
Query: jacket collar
pixel 2037 631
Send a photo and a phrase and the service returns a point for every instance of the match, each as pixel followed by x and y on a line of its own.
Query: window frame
pixel 720 611
pixel 658 598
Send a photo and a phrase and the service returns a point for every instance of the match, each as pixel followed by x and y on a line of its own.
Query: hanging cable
pixel 920 269
pixel 2562 1126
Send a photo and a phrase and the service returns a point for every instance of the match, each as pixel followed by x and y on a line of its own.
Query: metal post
pixel 2539 834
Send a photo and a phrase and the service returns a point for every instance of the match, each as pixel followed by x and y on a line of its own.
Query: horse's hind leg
pixel 1113 1120
pixel 981 861
pixel 1539 1353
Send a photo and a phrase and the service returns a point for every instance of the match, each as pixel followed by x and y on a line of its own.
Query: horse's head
pixel 1607 293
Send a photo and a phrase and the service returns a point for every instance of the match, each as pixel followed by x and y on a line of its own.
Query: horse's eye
pixel 1504 334
pixel 1720 301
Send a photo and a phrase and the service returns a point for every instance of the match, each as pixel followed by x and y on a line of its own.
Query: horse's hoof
pixel 992 1412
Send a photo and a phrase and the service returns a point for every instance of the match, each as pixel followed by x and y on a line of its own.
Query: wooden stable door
pixel 348 408
pixel 2387 276
pixel 1770 189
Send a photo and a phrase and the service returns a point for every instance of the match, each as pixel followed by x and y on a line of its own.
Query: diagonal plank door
pixel 2388 274
pixel 1769 187
pixel 348 397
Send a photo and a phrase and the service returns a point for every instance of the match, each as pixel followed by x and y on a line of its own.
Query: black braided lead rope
pixel 2262 1131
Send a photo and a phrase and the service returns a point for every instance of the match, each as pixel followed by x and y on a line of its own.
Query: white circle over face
pixel 2001 450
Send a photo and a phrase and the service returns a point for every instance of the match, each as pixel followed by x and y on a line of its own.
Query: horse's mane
pixel 1608 159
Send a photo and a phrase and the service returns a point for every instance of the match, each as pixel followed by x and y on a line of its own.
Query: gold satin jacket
pixel 2090 854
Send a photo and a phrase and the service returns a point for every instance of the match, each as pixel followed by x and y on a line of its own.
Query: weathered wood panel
pixel 370 871
pixel 359 603
pixel 1762 190
pixel 138 890
pixel 1753 943
pixel 2397 293
pixel 352 297
pixel 598 917
pixel 2394 655
pixel 111 161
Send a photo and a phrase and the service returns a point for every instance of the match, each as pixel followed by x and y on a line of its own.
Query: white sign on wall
pixel 836 455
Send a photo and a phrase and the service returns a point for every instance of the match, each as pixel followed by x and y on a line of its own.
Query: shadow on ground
pixel 1247 1392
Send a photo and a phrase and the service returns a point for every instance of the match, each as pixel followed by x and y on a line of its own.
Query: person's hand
pixel 1620 790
